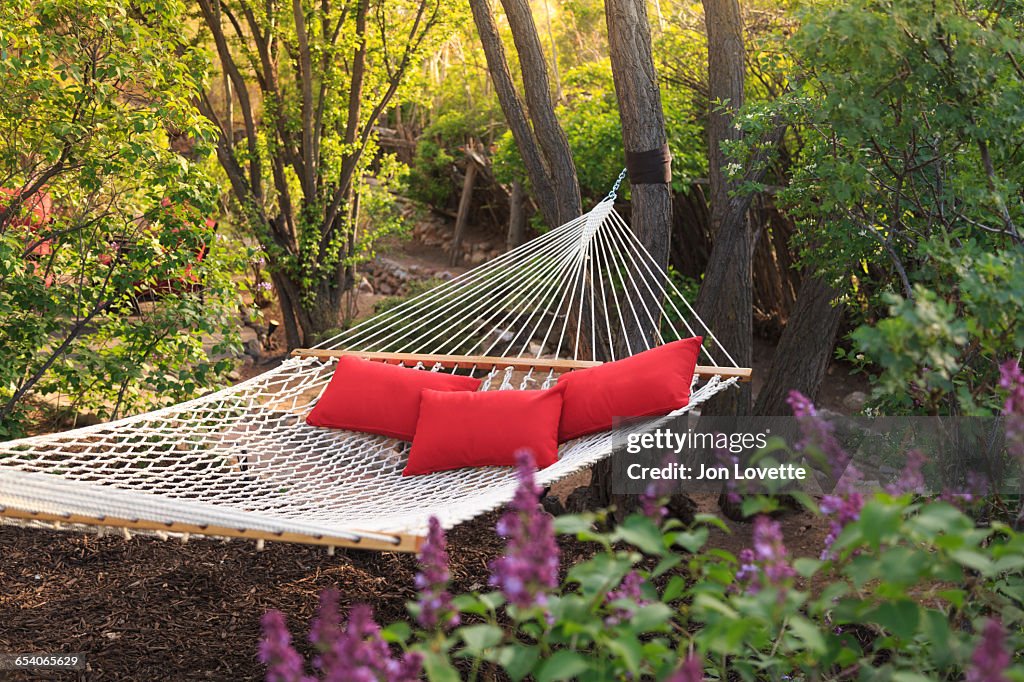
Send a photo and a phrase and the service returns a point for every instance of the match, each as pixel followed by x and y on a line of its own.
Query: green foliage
pixel 88 91
pixel 945 344
pixel 906 594
pixel 907 186
pixel 590 118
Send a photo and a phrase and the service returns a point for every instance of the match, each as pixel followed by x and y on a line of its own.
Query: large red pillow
pixel 654 382
pixel 378 398
pixel 484 429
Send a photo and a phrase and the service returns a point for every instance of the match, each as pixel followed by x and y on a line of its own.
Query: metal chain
pixel 615 188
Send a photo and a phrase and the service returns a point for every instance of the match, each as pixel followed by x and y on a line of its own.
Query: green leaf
pixel 642 533
pixel 438 668
pixel 572 524
pixel 563 665
pixel 809 634
pixel 898 617
pixel 674 589
pixel 651 617
pixel 806 567
pixel 480 637
pixel 397 632
pixel 517 660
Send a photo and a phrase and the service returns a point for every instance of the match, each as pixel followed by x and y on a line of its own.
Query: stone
pixel 854 402
pixel 364 286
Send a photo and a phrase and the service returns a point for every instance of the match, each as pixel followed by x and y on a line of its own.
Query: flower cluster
pixel 912 477
pixel 529 567
pixel 357 653
pixel 990 659
pixel 360 654
pixel 690 671
pixel 818 433
pixel 1012 379
pixel 844 507
pixel 766 564
pixel 629 589
pixel 435 602
pixel 284 664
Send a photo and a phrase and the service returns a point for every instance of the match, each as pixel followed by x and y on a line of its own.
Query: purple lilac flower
pixel 630 588
pixel 976 488
pixel 844 507
pixel 432 581
pixel 651 503
pixel 325 630
pixel 529 567
pixel 766 564
pixel 845 502
pixel 911 479
pixel 817 432
pixel 360 654
pixel 264 286
pixel 690 671
pixel 990 659
pixel 1012 379
pixel 284 664
pixel 729 461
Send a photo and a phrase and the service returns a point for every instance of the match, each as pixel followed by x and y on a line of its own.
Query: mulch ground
pixel 151 609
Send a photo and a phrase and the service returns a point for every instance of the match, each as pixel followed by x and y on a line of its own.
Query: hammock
pixel 241 462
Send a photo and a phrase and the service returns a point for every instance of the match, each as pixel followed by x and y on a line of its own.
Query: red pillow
pixel 484 429
pixel 378 398
pixel 654 382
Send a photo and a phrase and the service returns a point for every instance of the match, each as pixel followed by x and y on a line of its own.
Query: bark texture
pixel 725 302
pixel 805 348
pixel 643 129
pixel 542 145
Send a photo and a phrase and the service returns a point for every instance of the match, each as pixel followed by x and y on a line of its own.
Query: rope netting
pixel 243 458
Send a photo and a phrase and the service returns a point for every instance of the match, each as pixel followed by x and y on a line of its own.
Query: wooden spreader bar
pixel 403 543
pixel 487 362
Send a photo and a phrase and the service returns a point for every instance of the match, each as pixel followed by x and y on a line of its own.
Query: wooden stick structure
pixel 402 543
pixel 486 362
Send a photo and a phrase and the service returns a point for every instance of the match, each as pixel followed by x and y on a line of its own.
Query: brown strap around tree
pixel 652 167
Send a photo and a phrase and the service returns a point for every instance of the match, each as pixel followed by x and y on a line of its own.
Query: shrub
pixel 908 588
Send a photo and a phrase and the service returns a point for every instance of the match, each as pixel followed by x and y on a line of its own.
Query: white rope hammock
pixel 242 462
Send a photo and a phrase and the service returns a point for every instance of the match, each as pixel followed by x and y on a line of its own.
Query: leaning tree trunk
pixel 725 302
pixel 543 147
pixel 804 351
pixel 648 163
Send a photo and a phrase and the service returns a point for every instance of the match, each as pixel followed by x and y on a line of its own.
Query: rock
pixel 681 506
pixel 364 286
pixel 552 505
pixel 855 401
pixel 254 348
pixel 477 258
pixel 580 500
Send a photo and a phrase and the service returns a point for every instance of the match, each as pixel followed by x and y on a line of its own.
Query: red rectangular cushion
pixel 654 382
pixel 375 397
pixel 484 429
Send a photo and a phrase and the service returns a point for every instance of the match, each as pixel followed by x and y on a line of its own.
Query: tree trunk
pixel 462 217
pixel 805 348
pixel 643 130
pixel 725 302
pixel 554 146
pixel 544 148
pixel 516 218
